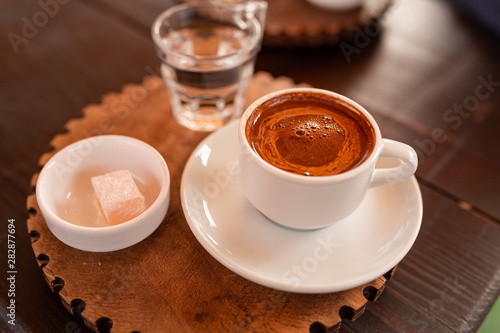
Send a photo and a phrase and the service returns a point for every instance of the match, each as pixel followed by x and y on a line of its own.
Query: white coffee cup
pixel 303 202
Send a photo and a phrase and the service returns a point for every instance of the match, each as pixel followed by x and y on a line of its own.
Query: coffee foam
pixel 311 134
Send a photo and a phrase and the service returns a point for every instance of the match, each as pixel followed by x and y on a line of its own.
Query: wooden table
pixel 430 76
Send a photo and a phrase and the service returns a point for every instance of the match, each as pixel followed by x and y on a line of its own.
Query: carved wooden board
pixel 168 282
pixel 299 23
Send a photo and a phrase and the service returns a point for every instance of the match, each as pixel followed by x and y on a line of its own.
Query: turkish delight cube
pixel 119 196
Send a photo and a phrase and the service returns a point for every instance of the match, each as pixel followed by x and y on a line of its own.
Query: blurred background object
pixel 486 12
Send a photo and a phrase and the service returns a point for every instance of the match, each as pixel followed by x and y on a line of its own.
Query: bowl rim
pixel 157 203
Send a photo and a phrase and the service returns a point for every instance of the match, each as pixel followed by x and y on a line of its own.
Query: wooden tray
pixel 168 282
pixel 299 23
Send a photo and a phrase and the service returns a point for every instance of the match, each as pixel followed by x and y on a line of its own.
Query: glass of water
pixel 207 52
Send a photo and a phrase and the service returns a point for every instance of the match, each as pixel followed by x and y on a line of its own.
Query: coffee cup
pixel 308 156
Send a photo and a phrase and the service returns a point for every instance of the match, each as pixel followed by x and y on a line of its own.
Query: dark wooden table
pixel 429 74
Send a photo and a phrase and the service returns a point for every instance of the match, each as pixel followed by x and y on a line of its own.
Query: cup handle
pixel 391 148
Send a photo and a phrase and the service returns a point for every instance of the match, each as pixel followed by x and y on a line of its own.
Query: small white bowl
pixel 68 202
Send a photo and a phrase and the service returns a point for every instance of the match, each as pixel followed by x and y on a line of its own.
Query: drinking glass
pixel 207 52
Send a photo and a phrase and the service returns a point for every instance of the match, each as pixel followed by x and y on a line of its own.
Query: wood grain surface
pixel 290 23
pixel 428 57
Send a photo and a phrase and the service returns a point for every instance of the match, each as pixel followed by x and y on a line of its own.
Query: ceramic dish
pixel 349 253
pixel 68 202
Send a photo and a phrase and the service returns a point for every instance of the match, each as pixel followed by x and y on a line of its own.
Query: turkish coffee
pixel 310 134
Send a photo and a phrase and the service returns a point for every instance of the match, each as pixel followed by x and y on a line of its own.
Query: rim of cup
pixel 249 152
pixel 158 22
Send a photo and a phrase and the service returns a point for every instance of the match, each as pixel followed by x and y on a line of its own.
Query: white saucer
pixel 349 253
